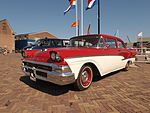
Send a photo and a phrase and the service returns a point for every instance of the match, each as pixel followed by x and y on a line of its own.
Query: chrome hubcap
pixel 84 76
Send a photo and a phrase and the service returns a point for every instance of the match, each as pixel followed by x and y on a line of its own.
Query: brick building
pixel 34 36
pixel 6 36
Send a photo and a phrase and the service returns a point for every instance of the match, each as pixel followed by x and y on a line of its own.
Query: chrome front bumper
pixel 60 75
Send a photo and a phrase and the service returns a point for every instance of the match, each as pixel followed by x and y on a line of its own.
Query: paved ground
pixel 120 92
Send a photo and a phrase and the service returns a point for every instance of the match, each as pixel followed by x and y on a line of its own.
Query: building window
pixel 4 29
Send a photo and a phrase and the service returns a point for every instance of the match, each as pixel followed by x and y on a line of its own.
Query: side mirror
pixel 107 45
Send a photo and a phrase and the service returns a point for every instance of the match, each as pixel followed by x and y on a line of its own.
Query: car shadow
pixel 47 87
pixel 54 89
pixel 98 77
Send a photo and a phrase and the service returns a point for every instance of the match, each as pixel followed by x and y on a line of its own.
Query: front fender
pixel 75 64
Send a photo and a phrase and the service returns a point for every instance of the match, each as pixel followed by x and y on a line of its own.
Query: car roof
pixel 103 35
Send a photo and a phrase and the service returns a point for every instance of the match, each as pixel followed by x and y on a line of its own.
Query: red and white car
pixel 88 56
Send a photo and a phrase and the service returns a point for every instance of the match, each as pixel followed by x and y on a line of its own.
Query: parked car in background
pixel 43 44
pixel 87 57
pixel 20 44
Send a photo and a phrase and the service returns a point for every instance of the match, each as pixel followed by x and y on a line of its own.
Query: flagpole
pixel 98 17
pixel 82 19
pixel 77 27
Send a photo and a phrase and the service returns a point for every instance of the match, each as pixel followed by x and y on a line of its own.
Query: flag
pixel 71 5
pixel 117 33
pixel 89 29
pixel 140 34
pixel 91 3
pixel 74 24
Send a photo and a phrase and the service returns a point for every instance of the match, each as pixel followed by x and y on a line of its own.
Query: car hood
pixel 30 53
pixel 77 52
pixel 69 52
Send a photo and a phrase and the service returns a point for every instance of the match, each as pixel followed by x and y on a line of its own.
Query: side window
pixel 120 44
pixel 101 43
pixel 111 43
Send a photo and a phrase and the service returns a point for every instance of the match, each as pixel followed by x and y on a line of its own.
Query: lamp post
pixel 98 16
pixel 77 27
pixel 82 18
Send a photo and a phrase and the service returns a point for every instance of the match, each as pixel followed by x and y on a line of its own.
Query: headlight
pixel 55 57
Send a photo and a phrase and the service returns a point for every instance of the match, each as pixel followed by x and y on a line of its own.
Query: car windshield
pixel 50 42
pixel 85 41
pixel 38 41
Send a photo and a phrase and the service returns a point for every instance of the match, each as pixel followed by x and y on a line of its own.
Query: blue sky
pixel 128 16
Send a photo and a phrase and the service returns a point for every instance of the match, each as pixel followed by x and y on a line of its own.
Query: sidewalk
pixel 119 92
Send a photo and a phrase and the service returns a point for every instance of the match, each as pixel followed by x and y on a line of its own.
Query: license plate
pixel 32 77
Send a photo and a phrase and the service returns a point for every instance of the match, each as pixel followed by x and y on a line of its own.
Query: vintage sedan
pixel 88 56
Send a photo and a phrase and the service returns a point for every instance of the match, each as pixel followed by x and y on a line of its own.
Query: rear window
pixel 111 43
pixel 120 44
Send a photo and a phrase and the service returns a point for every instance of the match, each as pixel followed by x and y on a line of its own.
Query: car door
pixel 111 59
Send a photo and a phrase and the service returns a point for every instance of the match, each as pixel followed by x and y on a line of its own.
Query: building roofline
pixel 8 24
pixel 3 20
pixel 32 33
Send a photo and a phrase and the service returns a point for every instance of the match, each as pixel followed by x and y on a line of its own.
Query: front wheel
pixel 85 78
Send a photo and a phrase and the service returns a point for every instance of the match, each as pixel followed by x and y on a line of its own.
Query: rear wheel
pixel 85 78
pixel 127 66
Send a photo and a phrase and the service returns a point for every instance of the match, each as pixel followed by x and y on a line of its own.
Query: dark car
pixel 43 44
pixel 20 44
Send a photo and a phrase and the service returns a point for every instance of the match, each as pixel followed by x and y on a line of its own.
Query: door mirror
pixel 107 46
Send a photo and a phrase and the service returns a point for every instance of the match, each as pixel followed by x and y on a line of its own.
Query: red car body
pixel 88 56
